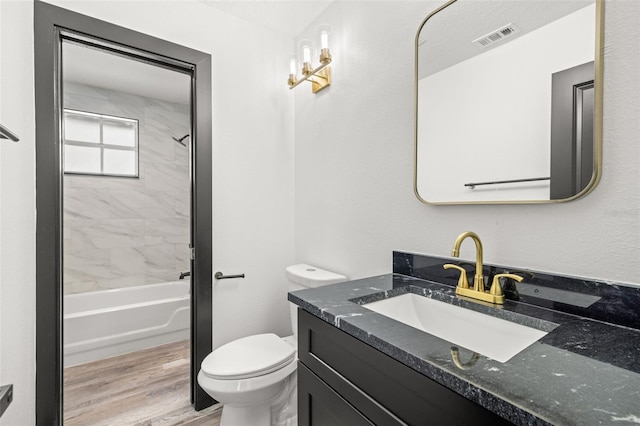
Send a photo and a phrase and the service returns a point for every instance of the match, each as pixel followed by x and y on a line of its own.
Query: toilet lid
pixel 250 356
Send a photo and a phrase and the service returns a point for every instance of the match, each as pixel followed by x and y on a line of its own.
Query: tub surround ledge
pixel 585 371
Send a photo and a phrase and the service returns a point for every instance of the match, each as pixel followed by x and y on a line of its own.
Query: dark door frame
pixel 51 23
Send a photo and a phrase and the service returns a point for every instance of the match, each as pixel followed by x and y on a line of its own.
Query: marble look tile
pixel 127 262
pixel 181 153
pixel 183 257
pixel 157 147
pixel 161 177
pixel 114 233
pixel 173 230
pixel 103 182
pixel 75 239
pixel 183 203
pixel 87 265
pixel 168 123
pixel 85 203
pixel 132 204
pixel 74 90
pixel 158 258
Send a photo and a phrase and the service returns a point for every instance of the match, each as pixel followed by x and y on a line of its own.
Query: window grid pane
pixel 113 152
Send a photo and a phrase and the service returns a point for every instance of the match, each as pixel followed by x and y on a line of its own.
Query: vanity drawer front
pixel 405 394
pixel 319 405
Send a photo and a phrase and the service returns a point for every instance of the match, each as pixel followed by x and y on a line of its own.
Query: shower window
pixel 97 144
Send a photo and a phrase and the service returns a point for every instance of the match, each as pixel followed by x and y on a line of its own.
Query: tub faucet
pixel 184 274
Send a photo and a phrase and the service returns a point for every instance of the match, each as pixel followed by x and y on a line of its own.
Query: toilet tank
pixel 303 276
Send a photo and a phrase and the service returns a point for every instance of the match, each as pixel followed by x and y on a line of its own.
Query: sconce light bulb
pixel 324 39
pixel 306 54
pixel 292 66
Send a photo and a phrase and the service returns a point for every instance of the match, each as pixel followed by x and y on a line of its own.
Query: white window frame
pixel 101 145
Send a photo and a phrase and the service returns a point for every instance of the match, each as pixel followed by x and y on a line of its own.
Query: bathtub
pixel 106 323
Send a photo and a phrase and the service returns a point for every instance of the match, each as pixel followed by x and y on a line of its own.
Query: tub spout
pixel 184 274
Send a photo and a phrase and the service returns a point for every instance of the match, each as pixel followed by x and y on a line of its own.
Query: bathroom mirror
pixel 509 102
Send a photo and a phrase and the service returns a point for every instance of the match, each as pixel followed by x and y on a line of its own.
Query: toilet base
pixel 281 410
pixel 255 415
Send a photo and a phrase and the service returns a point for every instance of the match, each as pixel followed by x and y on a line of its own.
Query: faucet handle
pixel 462 281
pixel 495 285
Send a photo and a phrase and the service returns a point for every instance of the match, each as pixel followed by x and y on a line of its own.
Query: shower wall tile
pixel 157 147
pixel 183 204
pixel 134 204
pixel 127 262
pixel 174 231
pixel 122 232
pixel 102 182
pixel 78 239
pixel 160 257
pixel 183 257
pixel 86 203
pixel 160 177
pixel 87 265
pixel 116 233
pixel 163 121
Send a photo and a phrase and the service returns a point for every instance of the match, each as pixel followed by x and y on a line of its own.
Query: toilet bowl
pixel 255 377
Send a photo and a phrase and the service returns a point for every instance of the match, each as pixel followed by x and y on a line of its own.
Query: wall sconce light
pixel 320 76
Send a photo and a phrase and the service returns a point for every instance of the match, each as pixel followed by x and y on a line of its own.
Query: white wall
pixel 17 212
pixel 354 163
pixel 253 172
pixel 488 118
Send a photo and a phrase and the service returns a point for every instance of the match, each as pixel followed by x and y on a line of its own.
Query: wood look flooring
pixel 144 388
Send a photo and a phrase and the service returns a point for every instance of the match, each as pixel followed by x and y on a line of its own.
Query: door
pixel 53 25
pixel 572 146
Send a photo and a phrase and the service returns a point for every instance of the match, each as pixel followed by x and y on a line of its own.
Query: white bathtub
pixel 105 323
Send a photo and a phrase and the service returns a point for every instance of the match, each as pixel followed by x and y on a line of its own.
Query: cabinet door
pixel 319 405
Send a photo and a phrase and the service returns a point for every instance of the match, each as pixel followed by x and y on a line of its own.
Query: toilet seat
pixel 248 357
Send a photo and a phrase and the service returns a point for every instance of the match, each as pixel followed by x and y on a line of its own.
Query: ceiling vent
pixel 495 36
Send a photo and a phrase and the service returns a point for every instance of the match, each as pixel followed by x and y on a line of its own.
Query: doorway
pixel 54 28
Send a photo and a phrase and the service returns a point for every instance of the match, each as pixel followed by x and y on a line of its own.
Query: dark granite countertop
pixel 583 372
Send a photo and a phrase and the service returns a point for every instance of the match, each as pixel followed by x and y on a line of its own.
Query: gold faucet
pixel 478 278
pixel 494 295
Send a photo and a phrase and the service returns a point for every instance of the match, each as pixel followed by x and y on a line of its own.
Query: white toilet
pixel 255 377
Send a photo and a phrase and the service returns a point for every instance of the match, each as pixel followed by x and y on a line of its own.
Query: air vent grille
pixel 495 36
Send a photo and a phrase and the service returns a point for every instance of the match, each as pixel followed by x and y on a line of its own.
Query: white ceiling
pixel 289 17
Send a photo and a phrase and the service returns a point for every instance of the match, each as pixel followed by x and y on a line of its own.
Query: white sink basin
pixel 489 336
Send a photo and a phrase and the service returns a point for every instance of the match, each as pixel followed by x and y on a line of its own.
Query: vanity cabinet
pixel 343 381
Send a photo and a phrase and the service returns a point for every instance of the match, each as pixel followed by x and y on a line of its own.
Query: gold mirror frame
pixel 597 120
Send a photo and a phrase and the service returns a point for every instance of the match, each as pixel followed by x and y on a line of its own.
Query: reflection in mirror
pixel 508 102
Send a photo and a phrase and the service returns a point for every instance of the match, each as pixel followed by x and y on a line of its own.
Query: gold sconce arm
pixel 319 77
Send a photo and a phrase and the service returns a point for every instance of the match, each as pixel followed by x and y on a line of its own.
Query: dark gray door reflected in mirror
pixel 572 130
